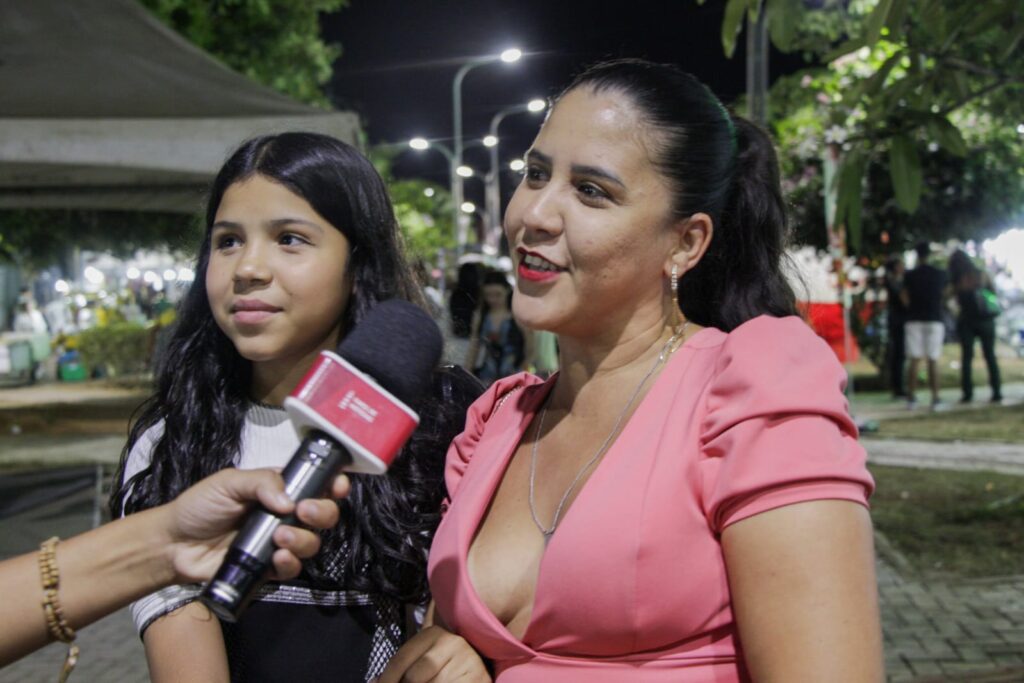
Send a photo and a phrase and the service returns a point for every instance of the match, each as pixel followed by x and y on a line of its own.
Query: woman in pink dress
pixel 685 501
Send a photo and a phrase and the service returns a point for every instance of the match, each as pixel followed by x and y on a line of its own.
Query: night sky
pixel 400 56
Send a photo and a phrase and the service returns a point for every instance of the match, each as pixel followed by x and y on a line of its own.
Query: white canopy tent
pixel 103 107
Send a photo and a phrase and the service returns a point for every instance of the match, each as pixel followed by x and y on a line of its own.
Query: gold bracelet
pixel 58 626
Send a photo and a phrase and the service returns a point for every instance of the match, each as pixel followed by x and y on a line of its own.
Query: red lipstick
pixel 533 274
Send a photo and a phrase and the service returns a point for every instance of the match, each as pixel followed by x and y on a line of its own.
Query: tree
pixel 37 238
pixel 423 209
pixel 921 92
pixel 274 42
pixel 963 197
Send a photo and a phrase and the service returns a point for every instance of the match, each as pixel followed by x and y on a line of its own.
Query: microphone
pixel 352 410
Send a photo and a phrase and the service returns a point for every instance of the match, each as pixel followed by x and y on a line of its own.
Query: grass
pixel 960 524
pixel 988 423
pixel 1011 369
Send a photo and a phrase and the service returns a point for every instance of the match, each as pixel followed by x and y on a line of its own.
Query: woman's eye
pixel 591 192
pixel 535 174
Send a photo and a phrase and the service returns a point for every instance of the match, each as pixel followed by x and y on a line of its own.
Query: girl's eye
pixel 227 242
pixel 289 239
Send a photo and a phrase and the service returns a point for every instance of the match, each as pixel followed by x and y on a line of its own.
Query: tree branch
pixel 906 126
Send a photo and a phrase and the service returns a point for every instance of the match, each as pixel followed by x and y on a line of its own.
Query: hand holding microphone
pixel 352 411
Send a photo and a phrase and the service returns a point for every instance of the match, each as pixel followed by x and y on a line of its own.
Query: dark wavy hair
pixel 719 164
pixel 202 384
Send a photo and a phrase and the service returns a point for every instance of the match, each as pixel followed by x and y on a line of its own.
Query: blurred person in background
pixel 976 320
pixel 923 292
pixel 497 347
pixel 896 311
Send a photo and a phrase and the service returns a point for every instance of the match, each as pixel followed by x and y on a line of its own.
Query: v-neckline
pixel 498 475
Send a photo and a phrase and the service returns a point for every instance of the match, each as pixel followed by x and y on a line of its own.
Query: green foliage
pixel 922 98
pixel 850 177
pixel 426 222
pixel 905 167
pixel 37 238
pixel 119 348
pixel 735 11
pixel 274 42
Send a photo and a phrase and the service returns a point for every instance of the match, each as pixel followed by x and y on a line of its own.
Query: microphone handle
pixel 307 475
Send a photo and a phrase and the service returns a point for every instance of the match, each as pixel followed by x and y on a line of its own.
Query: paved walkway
pixel 110 649
pixel 968 630
pixel 934 630
pixel 962 455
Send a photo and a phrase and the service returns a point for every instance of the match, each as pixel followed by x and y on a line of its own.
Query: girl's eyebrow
pixel 275 223
pixel 281 222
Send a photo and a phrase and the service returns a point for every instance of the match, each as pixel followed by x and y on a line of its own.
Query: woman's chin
pixel 536 318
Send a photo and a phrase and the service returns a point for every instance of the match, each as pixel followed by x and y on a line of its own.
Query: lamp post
pixel 457 173
pixel 493 191
pixel 508 56
pixel 421 144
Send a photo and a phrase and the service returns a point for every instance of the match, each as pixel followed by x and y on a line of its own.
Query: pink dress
pixel 632 586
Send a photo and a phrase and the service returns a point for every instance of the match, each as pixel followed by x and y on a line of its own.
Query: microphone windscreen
pixel 398 344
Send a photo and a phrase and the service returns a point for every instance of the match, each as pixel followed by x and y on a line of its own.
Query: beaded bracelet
pixel 58 626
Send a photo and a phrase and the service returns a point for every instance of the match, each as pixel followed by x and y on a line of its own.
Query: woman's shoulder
pixel 504 394
pixel 781 353
pixel 774 365
pixel 767 339
pixel 764 336
pixel 500 393
pixel 505 397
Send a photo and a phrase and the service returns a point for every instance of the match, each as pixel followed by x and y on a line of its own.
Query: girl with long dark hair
pixel 300 242
pixel 496 333
pixel 685 500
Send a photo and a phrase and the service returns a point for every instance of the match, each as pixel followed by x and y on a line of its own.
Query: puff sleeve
pixel 460 453
pixel 777 430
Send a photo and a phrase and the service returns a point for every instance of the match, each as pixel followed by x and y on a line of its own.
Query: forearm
pixel 100 571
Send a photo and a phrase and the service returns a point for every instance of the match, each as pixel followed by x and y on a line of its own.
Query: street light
pixel 508 56
pixel 517 165
pixel 421 144
pixel 456 174
pixel 493 192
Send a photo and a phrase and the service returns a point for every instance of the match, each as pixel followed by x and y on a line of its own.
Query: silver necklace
pixel 547 532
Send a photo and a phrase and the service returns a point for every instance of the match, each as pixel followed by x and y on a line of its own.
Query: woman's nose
pixel 542 215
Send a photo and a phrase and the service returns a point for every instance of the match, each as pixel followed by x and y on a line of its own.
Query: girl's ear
pixel 694 235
